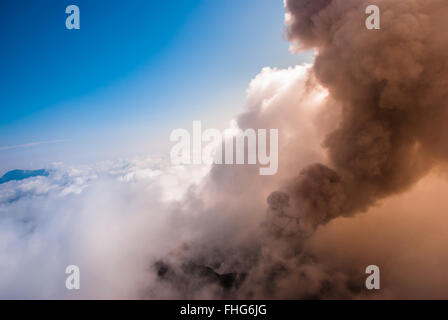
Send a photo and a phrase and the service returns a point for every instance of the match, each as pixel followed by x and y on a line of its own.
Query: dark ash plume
pixel 391 84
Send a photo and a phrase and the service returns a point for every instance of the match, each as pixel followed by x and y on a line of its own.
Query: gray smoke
pixel 365 121
pixel 391 85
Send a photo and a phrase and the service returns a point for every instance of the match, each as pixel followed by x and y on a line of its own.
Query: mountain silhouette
pixel 23 174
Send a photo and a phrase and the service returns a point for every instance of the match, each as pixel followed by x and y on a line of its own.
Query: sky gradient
pixel 129 76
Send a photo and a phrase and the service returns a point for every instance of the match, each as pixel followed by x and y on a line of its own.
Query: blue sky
pixel 134 71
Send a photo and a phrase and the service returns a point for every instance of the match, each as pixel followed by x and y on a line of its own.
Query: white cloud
pixel 116 218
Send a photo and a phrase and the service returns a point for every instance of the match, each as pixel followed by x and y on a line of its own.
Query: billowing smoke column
pixel 392 86
pixel 365 121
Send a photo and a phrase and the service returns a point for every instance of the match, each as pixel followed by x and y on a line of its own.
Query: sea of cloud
pixel 116 219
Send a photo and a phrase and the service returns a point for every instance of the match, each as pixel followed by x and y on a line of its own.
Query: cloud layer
pixel 357 128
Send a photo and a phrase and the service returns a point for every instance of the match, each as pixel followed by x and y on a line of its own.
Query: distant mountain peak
pixel 22 175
